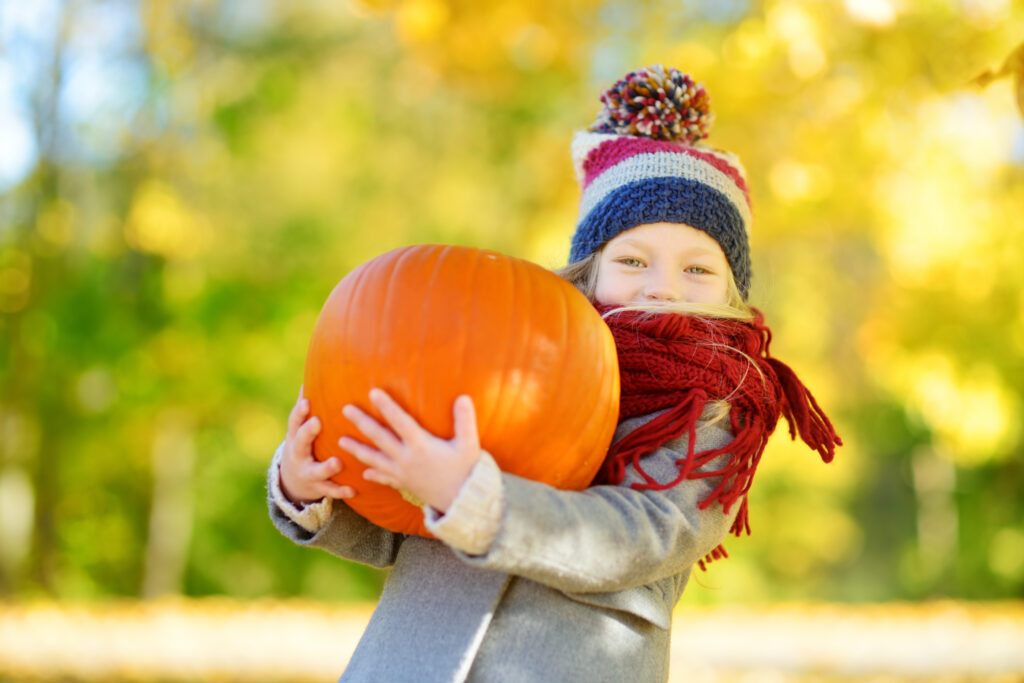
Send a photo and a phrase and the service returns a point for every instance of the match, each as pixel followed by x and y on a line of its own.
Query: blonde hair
pixel 583 275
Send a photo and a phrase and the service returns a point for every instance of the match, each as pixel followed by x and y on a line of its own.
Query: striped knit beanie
pixel 642 162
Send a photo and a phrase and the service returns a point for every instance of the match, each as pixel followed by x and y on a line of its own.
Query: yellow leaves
pixel 805 505
pixel 693 56
pixel 531 47
pixel 177 352
pixel 749 44
pixel 15 279
pixel 160 222
pixel 420 21
pixel 95 390
pixel 548 236
pixel 1006 552
pixel 183 282
pixel 976 413
pixel 56 222
pixel 360 6
pixel 833 538
pixel 936 199
pixel 1012 66
pixel 798 29
pixel 169 39
pixel 877 13
pixel 987 14
pixel 930 226
pixel 792 462
pixel 258 431
pixel 789 27
pixel 971 411
pixel 460 202
pixel 489 40
pixel 793 181
pixel 304 158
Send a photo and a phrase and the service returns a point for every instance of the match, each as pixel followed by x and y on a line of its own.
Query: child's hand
pixel 303 478
pixel 410 458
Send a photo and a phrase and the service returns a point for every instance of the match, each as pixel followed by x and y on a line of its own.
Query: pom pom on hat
pixel 656 103
pixel 643 161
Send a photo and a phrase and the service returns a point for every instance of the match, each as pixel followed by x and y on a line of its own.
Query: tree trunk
pixel 170 517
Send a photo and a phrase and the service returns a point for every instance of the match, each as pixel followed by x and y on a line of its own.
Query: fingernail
pixel 316 423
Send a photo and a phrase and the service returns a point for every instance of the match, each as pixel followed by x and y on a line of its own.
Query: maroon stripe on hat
pixel 611 152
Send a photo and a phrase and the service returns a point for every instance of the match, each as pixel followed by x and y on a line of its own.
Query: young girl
pixel 529 583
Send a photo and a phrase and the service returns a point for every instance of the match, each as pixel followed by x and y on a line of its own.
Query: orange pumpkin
pixel 427 323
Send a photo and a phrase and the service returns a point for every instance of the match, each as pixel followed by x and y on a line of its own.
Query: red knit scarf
pixel 677 363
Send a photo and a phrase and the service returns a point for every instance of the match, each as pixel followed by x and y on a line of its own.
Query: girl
pixel 529 583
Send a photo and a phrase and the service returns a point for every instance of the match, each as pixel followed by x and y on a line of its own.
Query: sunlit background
pixel 182 183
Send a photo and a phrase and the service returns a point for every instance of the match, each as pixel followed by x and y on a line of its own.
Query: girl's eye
pixel 698 270
pixel 630 261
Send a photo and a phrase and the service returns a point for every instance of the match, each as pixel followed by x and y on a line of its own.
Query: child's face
pixel 662 263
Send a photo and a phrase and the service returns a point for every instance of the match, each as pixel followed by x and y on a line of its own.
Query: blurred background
pixel 182 183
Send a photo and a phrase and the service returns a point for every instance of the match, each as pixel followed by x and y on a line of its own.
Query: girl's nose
pixel 659 295
pixel 661 288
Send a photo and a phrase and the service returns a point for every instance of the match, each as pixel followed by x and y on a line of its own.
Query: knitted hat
pixel 642 162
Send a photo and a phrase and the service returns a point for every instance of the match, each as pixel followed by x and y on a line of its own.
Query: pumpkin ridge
pixel 417 395
pixel 463 338
pixel 560 428
pixel 504 277
pixel 398 510
pixel 520 350
pixel 413 357
pixel 506 397
pixel 578 417
pixel 594 423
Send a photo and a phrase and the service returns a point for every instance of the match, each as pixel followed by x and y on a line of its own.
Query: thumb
pixel 466 433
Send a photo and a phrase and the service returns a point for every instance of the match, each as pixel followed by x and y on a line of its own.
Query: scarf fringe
pixel 670 425
pixel 735 478
pixel 752 419
pixel 717 553
pixel 804 415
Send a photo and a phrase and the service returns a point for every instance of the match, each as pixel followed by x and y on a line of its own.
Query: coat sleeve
pixel 611 538
pixel 344 533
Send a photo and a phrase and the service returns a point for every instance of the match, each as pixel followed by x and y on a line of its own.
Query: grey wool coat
pixel 577 586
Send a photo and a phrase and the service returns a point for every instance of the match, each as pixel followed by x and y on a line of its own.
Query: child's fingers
pixel 465 422
pixel 373 430
pixel 296 416
pixel 370 457
pixel 332 490
pixel 407 428
pixel 382 478
pixel 324 470
pixel 380 468
pixel 306 433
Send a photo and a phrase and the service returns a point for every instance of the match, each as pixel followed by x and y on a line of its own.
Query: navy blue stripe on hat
pixel 670 200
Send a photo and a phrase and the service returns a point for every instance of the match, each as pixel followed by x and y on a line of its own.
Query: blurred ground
pixel 221 640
